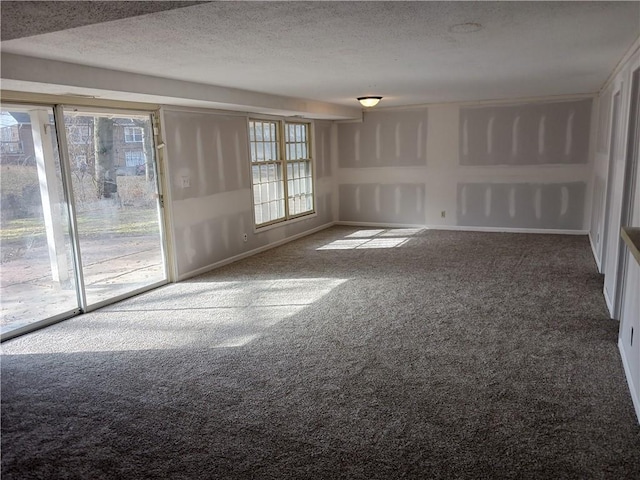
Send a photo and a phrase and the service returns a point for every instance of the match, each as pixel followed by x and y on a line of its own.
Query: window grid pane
pixel 297 146
pixel 268 196
pixel 133 134
pixel 263 140
pixel 270 175
pixel 134 158
pixel 300 184
pixel 299 169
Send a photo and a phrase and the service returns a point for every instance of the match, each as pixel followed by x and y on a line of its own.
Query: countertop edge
pixel 631 236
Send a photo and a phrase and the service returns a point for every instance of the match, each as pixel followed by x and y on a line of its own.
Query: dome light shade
pixel 369 101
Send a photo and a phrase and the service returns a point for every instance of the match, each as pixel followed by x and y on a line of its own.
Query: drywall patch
pixel 214 240
pixel 521 205
pixel 384 139
pixel 528 134
pixel 324 208
pixel 322 140
pixel 382 203
pixel 213 148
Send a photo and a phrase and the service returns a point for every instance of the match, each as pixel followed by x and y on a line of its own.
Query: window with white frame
pixel 79 134
pixel 133 158
pixel 299 168
pixel 10 140
pixel 132 134
pixel 282 170
pixel 9 134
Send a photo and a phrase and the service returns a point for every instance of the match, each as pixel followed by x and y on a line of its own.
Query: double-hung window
pixel 132 134
pixel 281 169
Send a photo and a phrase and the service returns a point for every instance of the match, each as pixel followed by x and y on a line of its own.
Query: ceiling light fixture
pixel 369 101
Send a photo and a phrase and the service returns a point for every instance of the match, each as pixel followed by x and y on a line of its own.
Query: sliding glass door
pixel 81 212
pixel 115 188
pixel 37 274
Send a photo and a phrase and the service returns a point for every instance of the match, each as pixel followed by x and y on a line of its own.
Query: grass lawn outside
pixel 122 222
pixel 133 212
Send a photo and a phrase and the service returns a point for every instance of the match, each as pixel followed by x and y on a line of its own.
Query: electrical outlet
pixel 186 182
pixel 245 237
pixel 443 213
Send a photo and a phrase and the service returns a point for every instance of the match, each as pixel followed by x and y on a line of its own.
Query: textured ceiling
pixel 27 18
pixel 336 51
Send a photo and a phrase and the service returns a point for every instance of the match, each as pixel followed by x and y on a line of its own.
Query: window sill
pixel 284 223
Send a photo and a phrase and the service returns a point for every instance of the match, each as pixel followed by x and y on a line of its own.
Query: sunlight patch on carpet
pixel 389 238
pixel 185 315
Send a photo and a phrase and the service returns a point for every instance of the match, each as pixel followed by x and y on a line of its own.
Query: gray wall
pixel 527 205
pixel 385 142
pixel 521 166
pixel 414 166
pixel 529 134
pixel 397 203
pixel 210 190
pixel 384 139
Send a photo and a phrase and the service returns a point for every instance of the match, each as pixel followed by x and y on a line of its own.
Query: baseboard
pixel 465 228
pixel 379 225
pixel 595 253
pixel 544 231
pixel 627 371
pixel 250 253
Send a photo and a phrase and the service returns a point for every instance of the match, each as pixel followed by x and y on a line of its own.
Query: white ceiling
pixel 336 51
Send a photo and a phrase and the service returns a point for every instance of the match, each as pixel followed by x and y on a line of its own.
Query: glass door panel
pixel 37 276
pixel 115 190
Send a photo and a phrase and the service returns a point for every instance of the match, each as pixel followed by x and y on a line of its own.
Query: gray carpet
pixel 441 355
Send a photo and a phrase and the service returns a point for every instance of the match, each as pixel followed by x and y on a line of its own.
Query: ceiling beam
pixel 38 75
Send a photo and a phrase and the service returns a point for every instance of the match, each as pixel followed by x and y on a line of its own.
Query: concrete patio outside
pixel 28 293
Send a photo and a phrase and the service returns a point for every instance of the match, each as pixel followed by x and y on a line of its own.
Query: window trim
pixel 311 160
pixel 282 122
